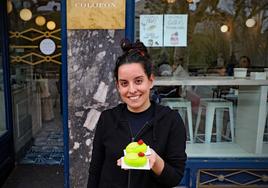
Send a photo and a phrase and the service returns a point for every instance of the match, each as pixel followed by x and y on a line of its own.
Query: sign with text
pixel 151 30
pixel 175 29
pixel 96 14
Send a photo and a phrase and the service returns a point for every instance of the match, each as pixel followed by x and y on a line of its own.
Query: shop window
pixel 198 63
pixel 35 65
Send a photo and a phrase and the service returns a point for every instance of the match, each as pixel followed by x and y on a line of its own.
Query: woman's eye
pixel 139 81
pixel 123 84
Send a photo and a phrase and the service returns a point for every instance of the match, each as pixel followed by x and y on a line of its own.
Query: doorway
pixel 35 67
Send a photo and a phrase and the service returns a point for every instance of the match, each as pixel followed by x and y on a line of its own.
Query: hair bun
pixel 125 45
pixel 140 46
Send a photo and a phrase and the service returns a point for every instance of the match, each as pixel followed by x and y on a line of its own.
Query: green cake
pixel 135 159
pixel 136 147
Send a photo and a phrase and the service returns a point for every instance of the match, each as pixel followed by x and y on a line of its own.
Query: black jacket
pixel 165 134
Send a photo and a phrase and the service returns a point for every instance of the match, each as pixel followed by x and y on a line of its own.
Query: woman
pixel 137 118
pixel 244 62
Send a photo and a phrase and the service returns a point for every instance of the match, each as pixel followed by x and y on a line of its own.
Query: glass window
pixel 217 80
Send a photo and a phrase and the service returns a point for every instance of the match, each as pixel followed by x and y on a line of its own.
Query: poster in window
pixel 151 30
pixel 175 29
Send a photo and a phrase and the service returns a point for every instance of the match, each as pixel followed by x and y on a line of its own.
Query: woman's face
pixel 134 86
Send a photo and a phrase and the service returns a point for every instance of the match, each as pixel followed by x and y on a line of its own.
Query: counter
pixel 208 80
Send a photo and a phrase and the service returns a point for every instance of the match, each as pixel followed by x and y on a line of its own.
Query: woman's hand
pixel 156 162
pixel 118 162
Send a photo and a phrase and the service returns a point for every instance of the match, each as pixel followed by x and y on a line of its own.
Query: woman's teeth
pixel 134 98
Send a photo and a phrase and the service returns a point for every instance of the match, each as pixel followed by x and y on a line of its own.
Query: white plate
pixel 148 151
pixel 125 166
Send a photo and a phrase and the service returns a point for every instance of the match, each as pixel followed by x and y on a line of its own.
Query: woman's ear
pixel 152 78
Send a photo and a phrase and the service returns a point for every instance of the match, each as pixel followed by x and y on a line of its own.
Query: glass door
pixel 35 64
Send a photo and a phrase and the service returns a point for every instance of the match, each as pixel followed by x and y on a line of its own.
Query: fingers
pixel 119 162
pixel 152 158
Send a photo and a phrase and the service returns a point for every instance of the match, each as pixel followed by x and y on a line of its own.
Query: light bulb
pixel 171 1
pixel 224 28
pixel 51 25
pixel 40 20
pixel 25 14
pixel 250 22
pixel 9 7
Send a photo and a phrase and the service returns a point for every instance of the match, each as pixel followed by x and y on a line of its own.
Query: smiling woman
pixel 137 118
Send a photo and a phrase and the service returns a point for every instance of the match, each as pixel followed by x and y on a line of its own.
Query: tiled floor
pixel 47 148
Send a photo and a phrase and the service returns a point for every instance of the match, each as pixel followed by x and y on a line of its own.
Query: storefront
pixel 195 46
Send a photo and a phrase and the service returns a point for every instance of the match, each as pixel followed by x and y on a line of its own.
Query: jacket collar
pixel 159 112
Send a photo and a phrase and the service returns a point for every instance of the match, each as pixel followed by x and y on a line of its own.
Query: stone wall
pixel 91 89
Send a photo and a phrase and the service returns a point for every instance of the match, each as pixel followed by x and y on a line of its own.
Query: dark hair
pixel 245 57
pixel 134 53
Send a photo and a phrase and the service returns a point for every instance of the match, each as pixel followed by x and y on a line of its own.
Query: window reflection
pixel 206 43
pixel 226 42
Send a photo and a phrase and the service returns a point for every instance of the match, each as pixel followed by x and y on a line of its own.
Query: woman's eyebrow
pixel 139 77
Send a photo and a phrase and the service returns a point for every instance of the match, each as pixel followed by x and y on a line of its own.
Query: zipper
pixel 140 131
pixel 132 140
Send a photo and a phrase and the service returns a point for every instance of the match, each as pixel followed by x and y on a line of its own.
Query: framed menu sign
pixel 175 29
pixel 151 30
pixel 96 14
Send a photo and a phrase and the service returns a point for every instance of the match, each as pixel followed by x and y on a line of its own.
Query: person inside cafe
pixel 244 62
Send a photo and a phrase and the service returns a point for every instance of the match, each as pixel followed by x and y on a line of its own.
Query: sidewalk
pixel 41 176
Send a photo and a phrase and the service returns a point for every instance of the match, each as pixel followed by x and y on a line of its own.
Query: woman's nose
pixel 132 88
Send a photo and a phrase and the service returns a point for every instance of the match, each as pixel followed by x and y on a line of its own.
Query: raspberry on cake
pixel 135 159
pixel 136 147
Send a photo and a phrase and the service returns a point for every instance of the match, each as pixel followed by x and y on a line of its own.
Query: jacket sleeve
pixel 97 156
pixel 175 155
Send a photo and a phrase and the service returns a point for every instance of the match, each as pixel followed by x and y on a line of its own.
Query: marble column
pixel 91 89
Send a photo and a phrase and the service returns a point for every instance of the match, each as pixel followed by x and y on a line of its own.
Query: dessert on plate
pixel 135 155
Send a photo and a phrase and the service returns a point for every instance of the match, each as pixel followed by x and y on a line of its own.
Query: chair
pixel 212 105
pixel 180 104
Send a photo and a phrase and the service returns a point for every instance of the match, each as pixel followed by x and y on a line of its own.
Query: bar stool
pixel 213 105
pixel 180 104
